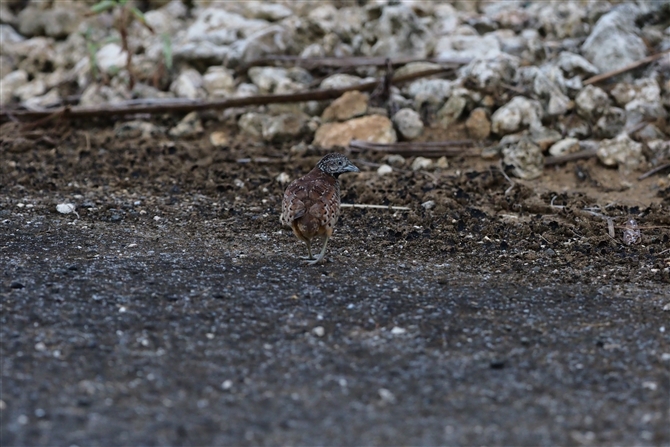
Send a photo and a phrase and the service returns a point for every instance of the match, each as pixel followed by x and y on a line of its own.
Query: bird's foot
pixel 313 261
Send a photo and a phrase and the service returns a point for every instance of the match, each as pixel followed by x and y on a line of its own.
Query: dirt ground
pixel 174 310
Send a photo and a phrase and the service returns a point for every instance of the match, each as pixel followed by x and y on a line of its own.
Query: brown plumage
pixel 311 204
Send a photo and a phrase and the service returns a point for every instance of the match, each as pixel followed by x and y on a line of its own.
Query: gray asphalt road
pixel 109 338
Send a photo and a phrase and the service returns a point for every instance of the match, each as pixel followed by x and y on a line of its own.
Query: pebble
pixel 421 163
pixel 319 331
pixel 408 122
pixel 65 208
pixel 219 139
pixel 384 169
pixel 387 396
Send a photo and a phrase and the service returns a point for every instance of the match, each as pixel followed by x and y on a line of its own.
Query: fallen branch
pixel 191 106
pixel 346 62
pixel 654 171
pixel 579 155
pixel 629 67
pixel 430 149
pixel 381 207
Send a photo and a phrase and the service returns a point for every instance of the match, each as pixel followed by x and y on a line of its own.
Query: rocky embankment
pixel 524 84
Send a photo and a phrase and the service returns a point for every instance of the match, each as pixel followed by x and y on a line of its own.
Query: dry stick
pixel 654 171
pixel 434 148
pixel 114 110
pixel 579 155
pixel 381 207
pixel 633 66
pixel 343 62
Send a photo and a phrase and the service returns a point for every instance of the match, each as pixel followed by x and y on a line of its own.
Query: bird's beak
pixel 351 168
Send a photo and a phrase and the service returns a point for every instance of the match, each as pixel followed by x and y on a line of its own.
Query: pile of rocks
pixel 524 85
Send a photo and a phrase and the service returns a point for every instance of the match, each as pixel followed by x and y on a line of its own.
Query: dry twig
pixel 190 106
pixel 346 62
pixel 656 170
pixel 579 155
pixel 381 207
pixel 629 67
pixel 430 149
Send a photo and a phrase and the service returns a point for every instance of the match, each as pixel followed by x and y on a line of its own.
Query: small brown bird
pixel 311 204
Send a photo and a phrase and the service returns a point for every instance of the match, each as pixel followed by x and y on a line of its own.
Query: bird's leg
pixel 323 252
pixel 309 251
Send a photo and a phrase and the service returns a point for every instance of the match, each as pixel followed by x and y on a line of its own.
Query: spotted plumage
pixel 311 205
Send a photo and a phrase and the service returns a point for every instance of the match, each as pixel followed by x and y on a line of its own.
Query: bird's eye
pixel 340 162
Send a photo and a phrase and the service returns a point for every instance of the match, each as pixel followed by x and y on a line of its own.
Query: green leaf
pixel 138 14
pixel 123 2
pixel 104 5
pixel 167 51
pixel 140 17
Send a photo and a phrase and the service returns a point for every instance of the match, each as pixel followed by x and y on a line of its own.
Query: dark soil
pixel 174 309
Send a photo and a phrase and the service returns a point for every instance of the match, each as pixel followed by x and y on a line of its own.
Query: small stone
pixel 544 137
pixel 34 88
pixel 285 126
pixel 574 64
pixel 218 81
pixel 421 163
pixel 395 160
pixel 40 346
pixel 283 178
pixel 340 80
pixel 611 123
pixel 409 123
pixel 467 47
pixel 65 208
pixel 621 151
pixel 136 129
pixel 349 105
pixel 111 58
pixel 398 330
pixel 227 384
pixel 525 157
pixel 442 163
pixel 520 112
pixel 386 396
pixel 488 75
pixel 16 285
pixel 429 205
pixel 319 331
pixel 565 146
pixel 189 126
pixel 189 84
pixel 219 139
pixel 592 101
pixel 252 123
pixel 10 83
pixel 373 128
pixel 429 91
pixel 478 124
pixel 451 111
pixel 384 169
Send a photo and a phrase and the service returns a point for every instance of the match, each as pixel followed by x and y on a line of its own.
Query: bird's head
pixel 336 164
